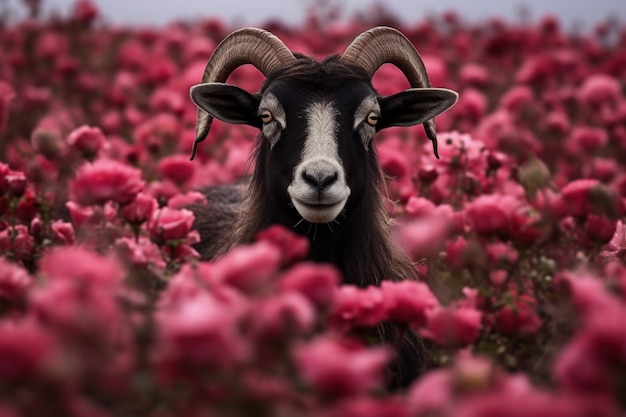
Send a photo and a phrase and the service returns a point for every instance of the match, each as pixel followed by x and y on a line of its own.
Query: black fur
pixel 359 242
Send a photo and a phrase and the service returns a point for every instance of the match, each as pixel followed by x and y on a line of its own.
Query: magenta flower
pixel 140 210
pixel 492 213
pixel 358 307
pixel 14 281
pixel 453 327
pixel 408 301
pixel 337 369
pixel 169 224
pixel 599 89
pixel 316 282
pixel 80 265
pixel 86 139
pixel 177 168
pixel 200 334
pixel 26 351
pixel 106 180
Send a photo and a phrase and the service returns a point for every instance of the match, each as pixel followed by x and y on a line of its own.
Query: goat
pixel 315 165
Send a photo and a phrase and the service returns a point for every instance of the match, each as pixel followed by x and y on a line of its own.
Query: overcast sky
pixel 159 12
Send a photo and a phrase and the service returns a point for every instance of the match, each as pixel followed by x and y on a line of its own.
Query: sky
pixel 250 12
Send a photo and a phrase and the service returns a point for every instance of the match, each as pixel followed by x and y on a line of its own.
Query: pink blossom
pixel 198 334
pixel 518 316
pixel 431 394
pixel 424 237
pixel 63 232
pixel 576 197
pixel 14 281
pixel 106 180
pixel 617 245
pixel 587 139
pixel 169 224
pixel 408 301
pixel 177 168
pixel 86 139
pixel 249 268
pixel 516 98
pixel 474 74
pixel 180 201
pixel 336 369
pixel 142 252
pixel 80 215
pixel 17 242
pixel 358 307
pixel 472 105
pixel 314 281
pixel 491 213
pixel 293 247
pixel 280 316
pixel 599 89
pixel 140 209
pixel 453 327
pixel 80 265
pixel 26 351
pixel 85 11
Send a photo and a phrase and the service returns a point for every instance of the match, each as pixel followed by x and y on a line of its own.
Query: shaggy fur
pixel 359 241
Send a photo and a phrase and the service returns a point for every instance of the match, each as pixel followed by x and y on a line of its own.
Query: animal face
pixel 317 120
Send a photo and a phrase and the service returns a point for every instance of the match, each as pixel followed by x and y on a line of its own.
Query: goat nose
pixel 319 180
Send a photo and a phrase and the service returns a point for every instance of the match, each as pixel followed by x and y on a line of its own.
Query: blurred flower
pixel 87 140
pixel 408 301
pixel 452 327
pixel 106 180
pixel 293 247
pixel 518 316
pixel 14 281
pixel 26 351
pixel 177 168
pixel 6 95
pixel 599 89
pixel 140 209
pixel 316 282
pixel 336 369
pixel 358 307
pixel 81 265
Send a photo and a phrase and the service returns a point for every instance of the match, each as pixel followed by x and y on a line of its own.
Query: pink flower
pixel 86 139
pixel 585 139
pixel 453 327
pixel 80 215
pixel 80 265
pixel 17 241
pixel 249 268
pixel 472 105
pixel 106 180
pixel 169 224
pixel 474 74
pixel 314 281
pixel 293 247
pixel 518 317
pixel 85 11
pixel 408 301
pixel 63 232
pixel 142 252
pixel 140 209
pixel 280 316
pixel 424 237
pixel 393 162
pixel 26 351
pixel 576 198
pixel 336 369
pixel 14 281
pixel 358 307
pixel 199 334
pixel 183 200
pixel 491 213
pixel 599 89
pixel 177 168
pixel 516 98
pixel 617 246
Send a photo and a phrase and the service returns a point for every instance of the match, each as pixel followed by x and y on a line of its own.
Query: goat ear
pixel 226 102
pixel 414 106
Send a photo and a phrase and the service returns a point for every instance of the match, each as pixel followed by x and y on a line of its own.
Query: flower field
pixel 517 231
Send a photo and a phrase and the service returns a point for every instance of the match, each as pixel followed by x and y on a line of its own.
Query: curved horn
pixel 381 45
pixel 244 46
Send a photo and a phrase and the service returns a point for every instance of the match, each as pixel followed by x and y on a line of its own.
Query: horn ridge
pixel 253 46
pixel 383 44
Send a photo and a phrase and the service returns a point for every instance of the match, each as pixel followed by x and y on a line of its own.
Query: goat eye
pixel 372 118
pixel 266 116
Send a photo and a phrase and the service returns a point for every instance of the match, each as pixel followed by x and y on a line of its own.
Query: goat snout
pixel 319 190
pixel 320 180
